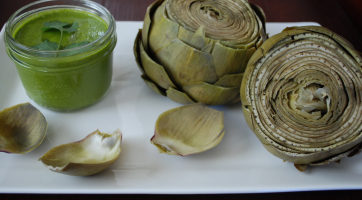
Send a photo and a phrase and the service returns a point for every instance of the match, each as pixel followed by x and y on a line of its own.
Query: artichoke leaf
pixel 248 55
pixel 196 40
pixel 136 51
pixel 336 158
pixel 162 31
pixel 178 96
pixel 345 43
pixel 208 48
pixel 228 60
pixel 153 86
pixel 185 64
pixel 188 130
pixel 259 42
pixel 147 22
pixel 261 15
pixel 22 128
pixel 89 156
pixel 211 94
pixel 301 167
pixel 230 80
pixel 154 71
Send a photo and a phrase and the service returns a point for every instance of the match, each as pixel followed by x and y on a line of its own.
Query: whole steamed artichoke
pixel 197 51
pixel 301 96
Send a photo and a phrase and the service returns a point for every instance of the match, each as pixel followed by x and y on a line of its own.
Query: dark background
pixel 344 17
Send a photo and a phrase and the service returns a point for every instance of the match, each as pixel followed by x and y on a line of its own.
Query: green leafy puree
pixel 46 45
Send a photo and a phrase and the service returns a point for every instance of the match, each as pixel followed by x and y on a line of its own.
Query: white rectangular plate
pixel 239 164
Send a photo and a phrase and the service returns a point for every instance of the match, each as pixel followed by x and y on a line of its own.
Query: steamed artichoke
pixel 197 51
pixel 301 96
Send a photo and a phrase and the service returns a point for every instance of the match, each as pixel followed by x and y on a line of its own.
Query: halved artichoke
pixel 93 154
pixel 188 129
pixel 22 128
pixel 197 51
pixel 301 96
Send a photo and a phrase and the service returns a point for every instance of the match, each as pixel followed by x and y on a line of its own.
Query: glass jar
pixel 67 79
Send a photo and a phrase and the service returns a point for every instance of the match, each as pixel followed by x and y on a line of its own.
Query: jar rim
pixel 110 30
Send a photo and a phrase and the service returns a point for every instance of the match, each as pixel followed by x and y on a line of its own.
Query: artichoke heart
pixel 197 51
pixel 301 96
pixel 93 154
pixel 188 129
pixel 22 128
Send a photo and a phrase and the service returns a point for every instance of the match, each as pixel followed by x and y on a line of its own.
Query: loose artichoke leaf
pixel 153 86
pixel 230 80
pixel 89 156
pixel 228 60
pixel 211 94
pixel 185 64
pixel 22 128
pixel 162 148
pixel 188 129
pixel 162 31
pixel 154 71
pixel 147 22
pixel 178 96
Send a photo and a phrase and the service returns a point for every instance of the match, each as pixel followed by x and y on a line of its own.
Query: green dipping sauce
pixel 64 79
pixel 29 33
